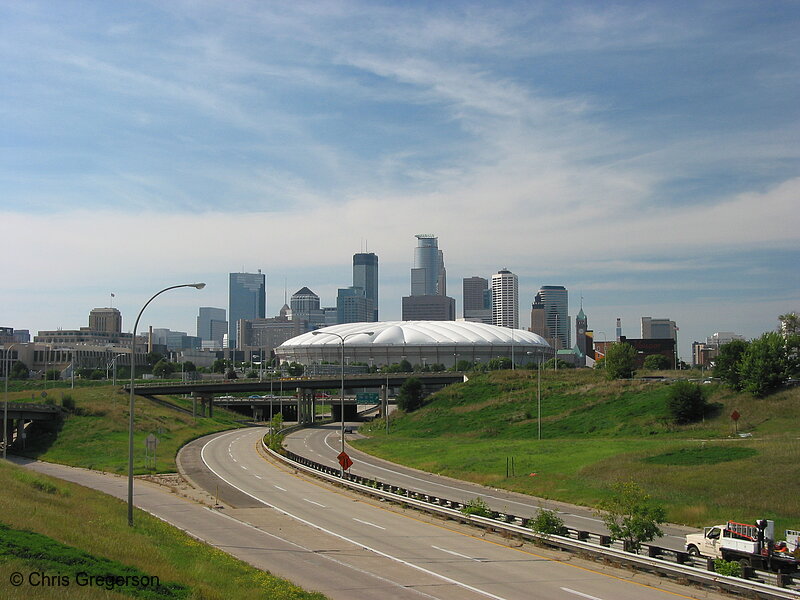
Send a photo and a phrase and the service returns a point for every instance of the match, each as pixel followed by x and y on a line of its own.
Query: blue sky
pixel 644 154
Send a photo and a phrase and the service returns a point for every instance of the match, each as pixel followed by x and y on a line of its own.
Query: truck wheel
pixel 744 562
pixel 693 551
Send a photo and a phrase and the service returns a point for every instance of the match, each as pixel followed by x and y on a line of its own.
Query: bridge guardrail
pixel 577 541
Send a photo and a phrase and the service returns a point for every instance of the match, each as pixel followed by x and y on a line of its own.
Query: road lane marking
pixel 368 523
pixel 581 594
pixel 258 476
pixel 280 488
pixel 457 554
pixel 312 502
pixel 345 538
pixel 245 468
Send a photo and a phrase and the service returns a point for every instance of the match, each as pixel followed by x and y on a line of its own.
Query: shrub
pixel 478 507
pixel 68 403
pixel 630 517
pixel 731 568
pixel 547 522
pixel 657 362
pixel 620 361
pixel 409 398
pixel 726 365
pixel 686 402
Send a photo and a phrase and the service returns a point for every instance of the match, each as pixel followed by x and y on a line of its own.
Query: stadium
pixel 419 342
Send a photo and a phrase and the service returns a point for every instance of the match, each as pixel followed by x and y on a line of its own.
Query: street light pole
pixel 5 408
pixel 341 344
pixel 198 286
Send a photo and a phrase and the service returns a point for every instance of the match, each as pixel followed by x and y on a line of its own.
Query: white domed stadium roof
pixel 388 341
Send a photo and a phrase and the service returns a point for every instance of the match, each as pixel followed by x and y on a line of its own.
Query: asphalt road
pixel 322 444
pixel 411 555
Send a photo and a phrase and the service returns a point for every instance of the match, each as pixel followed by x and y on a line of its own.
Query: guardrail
pixel 680 568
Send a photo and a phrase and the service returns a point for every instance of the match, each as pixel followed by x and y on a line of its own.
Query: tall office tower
pixel 539 319
pixel 211 324
pixel 428 300
pixel 105 319
pixel 247 299
pixel 428 277
pixel 658 329
pixel 353 306
pixel 505 299
pixel 556 302
pixel 365 276
pixel 477 300
pixel 618 333
pixel 305 307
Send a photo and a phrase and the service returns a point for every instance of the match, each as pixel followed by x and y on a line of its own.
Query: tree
pixel 630 517
pixel 790 323
pixel 657 362
pixel 294 369
pixel 764 366
pixel 409 398
pixel 405 367
pixel 189 367
pixel 463 365
pixel 562 364
pixel 547 522
pixel 726 366
pixel 19 370
pixel 686 402
pixel 163 368
pixel 620 361
pixel 97 374
pixel 500 363
pixel 220 365
pixel 154 357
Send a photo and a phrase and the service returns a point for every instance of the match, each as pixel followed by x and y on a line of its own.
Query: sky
pixel 646 155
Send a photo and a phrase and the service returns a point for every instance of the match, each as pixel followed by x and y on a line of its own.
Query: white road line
pixel 368 523
pixel 457 554
pixel 581 594
pixel 312 502
pixel 347 539
pixel 245 468
pixel 257 476
pixel 280 488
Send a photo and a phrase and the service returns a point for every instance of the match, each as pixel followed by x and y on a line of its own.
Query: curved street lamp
pixel 198 286
pixel 341 344
pixel 5 407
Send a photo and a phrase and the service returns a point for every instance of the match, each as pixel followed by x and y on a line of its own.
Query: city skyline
pixel 643 155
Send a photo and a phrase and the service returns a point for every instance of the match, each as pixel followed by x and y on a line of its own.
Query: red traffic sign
pixel 345 461
pixel 735 415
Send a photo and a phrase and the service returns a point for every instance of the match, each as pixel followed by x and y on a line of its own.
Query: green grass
pixel 597 432
pixel 38 532
pixel 95 436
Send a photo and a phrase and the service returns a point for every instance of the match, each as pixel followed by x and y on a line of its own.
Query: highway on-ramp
pixel 322 444
pixel 407 555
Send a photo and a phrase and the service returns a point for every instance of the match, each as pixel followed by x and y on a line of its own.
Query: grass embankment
pixel 38 533
pixel 596 432
pixel 95 435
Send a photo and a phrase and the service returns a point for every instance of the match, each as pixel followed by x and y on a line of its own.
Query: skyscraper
pixel 353 306
pixel 305 307
pixel 477 300
pixel 428 277
pixel 505 299
pixel 365 276
pixel 428 299
pixel 555 301
pixel 247 299
pixel 211 324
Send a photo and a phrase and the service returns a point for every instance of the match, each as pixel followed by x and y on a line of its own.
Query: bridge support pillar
pixel 21 431
pixel 384 414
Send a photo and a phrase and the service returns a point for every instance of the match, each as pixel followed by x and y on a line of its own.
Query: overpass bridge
pixel 302 406
pixel 21 414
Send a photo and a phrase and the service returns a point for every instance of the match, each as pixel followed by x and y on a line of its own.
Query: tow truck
pixel 749 545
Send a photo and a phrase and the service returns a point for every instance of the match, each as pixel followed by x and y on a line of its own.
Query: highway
pixel 323 443
pixel 409 555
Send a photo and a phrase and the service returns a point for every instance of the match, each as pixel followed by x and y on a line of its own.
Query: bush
pixel 765 364
pixel 629 515
pixel 731 568
pixel 726 365
pixel 478 507
pixel 68 403
pixel 547 522
pixel 686 402
pixel 657 362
